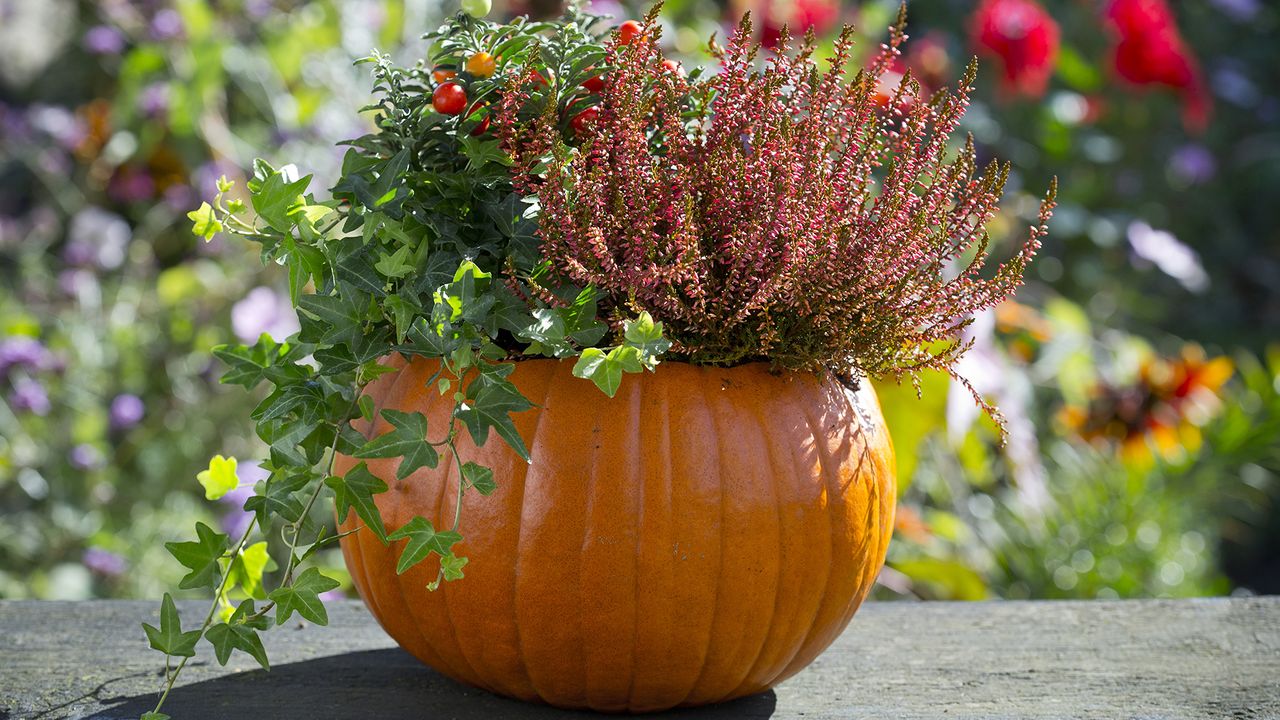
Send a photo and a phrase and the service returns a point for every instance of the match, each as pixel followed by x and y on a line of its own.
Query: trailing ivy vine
pixel 423 250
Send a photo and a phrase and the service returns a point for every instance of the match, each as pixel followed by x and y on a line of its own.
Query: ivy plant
pixel 423 249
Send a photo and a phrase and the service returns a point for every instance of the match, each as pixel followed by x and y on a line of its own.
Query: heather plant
pixel 776 213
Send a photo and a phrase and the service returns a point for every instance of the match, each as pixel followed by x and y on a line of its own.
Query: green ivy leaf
pixel 396 264
pixel 491 408
pixel 201 556
pixel 248 568
pixel 220 478
pixel 645 336
pixel 479 477
pixel 355 491
pixel 274 199
pixel 169 637
pixel 239 632
pixel 407 440
pixel 279 498
pixel 303 596
pixel 423 540
pixel 602 370
pixel 204 223
pixel 450 569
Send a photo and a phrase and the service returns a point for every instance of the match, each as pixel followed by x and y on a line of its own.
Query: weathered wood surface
pixel 1128 659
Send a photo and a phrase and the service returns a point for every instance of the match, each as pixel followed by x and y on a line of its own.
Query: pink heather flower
pixel 772 211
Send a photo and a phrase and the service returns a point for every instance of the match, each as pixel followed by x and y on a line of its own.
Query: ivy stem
pixel 306 510
pixel 208 618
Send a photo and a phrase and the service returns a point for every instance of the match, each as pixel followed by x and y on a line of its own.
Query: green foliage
pixel 169 638
pixel 426 251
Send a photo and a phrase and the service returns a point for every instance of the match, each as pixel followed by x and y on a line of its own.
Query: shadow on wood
pixel 387 684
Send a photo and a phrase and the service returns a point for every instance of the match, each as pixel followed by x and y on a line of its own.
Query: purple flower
pixel 263 310
pixel 59 123
pixel 29 395
pixel 85 457
pixel 76 282
pixel 126 411
pixel 99 237
pixel 1238 10
pixel 153 102
pixel 131 185
pixel 22 351
pixel 335 594
pixel 104 40
pixel 257 9
pixel 104 562
pixel 166 25
pixel 1192 164
pixel 180 198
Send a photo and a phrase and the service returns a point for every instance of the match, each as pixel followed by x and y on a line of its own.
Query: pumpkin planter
pixel 529 320
pixel 701 536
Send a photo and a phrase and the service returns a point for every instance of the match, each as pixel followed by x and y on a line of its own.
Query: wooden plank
pixel 1166 659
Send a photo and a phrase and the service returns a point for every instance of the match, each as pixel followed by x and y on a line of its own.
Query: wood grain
pixel 1166 659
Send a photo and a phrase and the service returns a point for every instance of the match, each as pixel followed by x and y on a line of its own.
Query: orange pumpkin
pixel 701 536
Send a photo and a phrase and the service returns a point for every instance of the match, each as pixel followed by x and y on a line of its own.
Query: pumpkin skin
pixel 701 536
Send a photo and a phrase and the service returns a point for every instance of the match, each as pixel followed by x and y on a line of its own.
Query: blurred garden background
pixel 1139 369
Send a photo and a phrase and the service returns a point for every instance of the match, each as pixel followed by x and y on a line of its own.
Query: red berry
pixel 628 31
pixel 449 99
pixel 584 119
pixel 484 121
pixel 594 84
pixel 673 66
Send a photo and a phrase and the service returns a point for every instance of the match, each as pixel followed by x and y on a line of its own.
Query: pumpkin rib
pixel 658 385
pixel 755 439
pixel 546 445
pixel 833 501
pixel 751 669
pixel 715 601
pixel 540 409
pixel 637 448
pixel 825 501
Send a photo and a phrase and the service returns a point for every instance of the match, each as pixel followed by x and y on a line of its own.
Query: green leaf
pixel 279 498
pixel 201 556
pixel 151 715
pixel 342 316
pixel 204 223
pixel 491 408
pixel 645 336
pixel 248 568
pixel 220 478
pixel 303 596
pixel 450 569
pixel 356 491
pixel 596 365
pixel 274 199
pixel 240 632
pixel 396 264
pixel 479 477
pixel 169 637
pixel 423 540
pixel 407 440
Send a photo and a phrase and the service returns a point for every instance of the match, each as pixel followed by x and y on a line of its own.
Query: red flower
pixel 1022 36
pixel 1150 51
pixel 798 16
